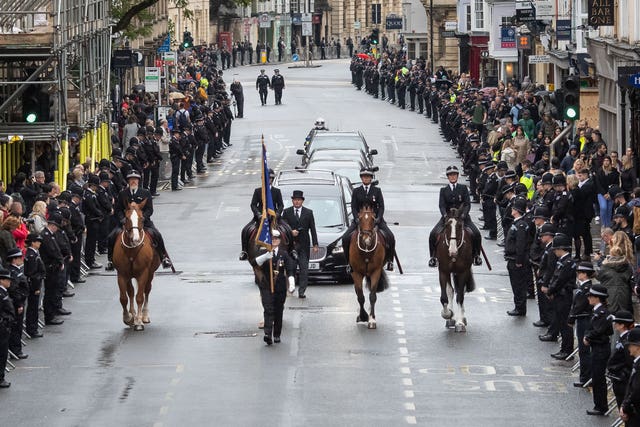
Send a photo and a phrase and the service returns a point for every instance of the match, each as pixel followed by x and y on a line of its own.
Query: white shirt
pixel 453 187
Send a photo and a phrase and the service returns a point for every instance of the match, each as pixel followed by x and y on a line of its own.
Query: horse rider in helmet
pixel 319 124
pixel 256 208
pixel 133 193
pixel 455 195
pixel 369 194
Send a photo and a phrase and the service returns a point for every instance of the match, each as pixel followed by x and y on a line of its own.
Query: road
pixel 202 362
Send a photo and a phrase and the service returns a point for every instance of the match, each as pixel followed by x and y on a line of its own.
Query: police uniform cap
pixel 104 163
pixel 55 219
pixel 366 172
pixel 4 273
pixel 275 233
pixel 134 174
pixel 65 212
pixel 507 188
pixel 76 192
pixel 622 316
pixel 561 241
pixel 598 291
pixel 14 253
pixel 585 266
pixel 559 179
pixel 93 180
pixel 130 150
pixel 276 70
pixel 200 118
pixel 158 131
pixel 116 152
pixel 622 211
pixel 633 337
pixel 510 174
pixel 547 178
pixel 520 205
pixel 502 166
pixel 33 237
pixel 65 196
pixel 520 189
pixel 450 170
pixel 175 129
pixel 104 177
pixel 615 191
pixel 541 212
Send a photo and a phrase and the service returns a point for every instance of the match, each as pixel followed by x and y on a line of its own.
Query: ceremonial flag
pixel 268 219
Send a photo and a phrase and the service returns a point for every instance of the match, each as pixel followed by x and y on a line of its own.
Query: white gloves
pixel 292 284
pixel 264 258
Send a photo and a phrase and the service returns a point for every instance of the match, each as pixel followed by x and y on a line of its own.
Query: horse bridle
pixel 459 240
pixel 128 230
pixel 367 233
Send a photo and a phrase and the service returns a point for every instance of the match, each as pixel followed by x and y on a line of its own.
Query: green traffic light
pixel 571 113
pixel 31 118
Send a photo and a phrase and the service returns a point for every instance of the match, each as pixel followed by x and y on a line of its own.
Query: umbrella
pixel 542 93
pixel 362 55
pixel 176 95
pixel 139 88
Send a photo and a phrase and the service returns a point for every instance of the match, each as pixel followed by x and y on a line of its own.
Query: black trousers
pixel 582 230
pixel 263 95
pixel 517 277
pixel 185 167
pixel 93 231
pixel 303 270
pixel 199 155
pixel 103 232
pixel 434 112
pixel 4 351
pixel 584 353
pixel 489 214
pixel 561 307
pixel 278 95
pixel 382 85
pixel 545 308
pixel 420 104
pixel 51 303
pixel 175 172
pixel 33 305
pixel 76 252
pixel 273 307
pixel 240 106
pixel 154 171
pixel 619 389
pixel 15 345
pixel 599 356
pixel 412 100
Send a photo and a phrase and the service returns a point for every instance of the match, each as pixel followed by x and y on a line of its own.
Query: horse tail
pixel 470 286
pixel 383 283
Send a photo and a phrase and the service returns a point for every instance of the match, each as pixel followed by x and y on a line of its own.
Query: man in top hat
pixel 302 222
pixel 35 271
pixel 559 290
pixel 630 408
pixel 7 320
pixel 54 263
pixel 580 315
pixel 369 194
pixel 584 198
pixel 597 339
pixel 262 86
pixel 517 256
pixel 454 196
pixel 256 208
pixel 135 194
pixel 94 217
pixel 19 291
pixel 280 266
pixel 277 84
pixel 620 363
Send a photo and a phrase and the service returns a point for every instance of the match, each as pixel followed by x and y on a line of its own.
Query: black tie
pixel 298 213
pixel 453 187
pixel 366 189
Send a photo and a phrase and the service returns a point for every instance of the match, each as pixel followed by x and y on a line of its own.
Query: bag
pixel 636 220
pixel 181 119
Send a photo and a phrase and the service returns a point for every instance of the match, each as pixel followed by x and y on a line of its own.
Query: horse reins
pixel 366 233
pixel 141 240
pixel 459 245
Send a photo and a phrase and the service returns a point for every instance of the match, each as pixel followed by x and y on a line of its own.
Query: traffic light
pixel 187 40
pixel 571 98
pixel 375 36
pixel 36 105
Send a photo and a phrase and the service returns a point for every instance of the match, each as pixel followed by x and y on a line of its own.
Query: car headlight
pixel 338 249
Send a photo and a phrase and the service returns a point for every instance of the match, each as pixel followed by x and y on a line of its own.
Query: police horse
pixel 134 257
pixel 367 259
pixel 455 257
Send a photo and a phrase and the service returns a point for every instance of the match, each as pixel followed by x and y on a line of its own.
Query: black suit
pixel 305 224
pixel 7 319
pixel 282 266
pixel 584 198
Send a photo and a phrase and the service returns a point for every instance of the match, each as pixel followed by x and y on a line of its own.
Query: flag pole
pixel 265 216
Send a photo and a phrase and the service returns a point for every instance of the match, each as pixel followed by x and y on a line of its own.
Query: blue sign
pixel 507 37
pixel 634 80
pixel 563 29
pixel 295 57
pixel 166 45
pixel 296 19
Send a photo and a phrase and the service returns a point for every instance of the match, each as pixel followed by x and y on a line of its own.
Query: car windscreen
pixel 349 169
pixel 322 142
pixel 327 211
pixel 325 155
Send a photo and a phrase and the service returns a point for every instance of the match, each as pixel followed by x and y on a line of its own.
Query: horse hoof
pixel 138 327
pixel 146 320
pixel 372 325
pixel 446 314
pixel 449 323
pixel 460 328
pixel 464 320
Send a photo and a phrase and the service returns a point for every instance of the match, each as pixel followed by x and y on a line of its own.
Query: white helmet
pixel 319 123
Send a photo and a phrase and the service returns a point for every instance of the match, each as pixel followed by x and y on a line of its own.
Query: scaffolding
pixel 61 48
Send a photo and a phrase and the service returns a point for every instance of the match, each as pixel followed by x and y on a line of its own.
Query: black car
pixel 337 141
pixel 329 196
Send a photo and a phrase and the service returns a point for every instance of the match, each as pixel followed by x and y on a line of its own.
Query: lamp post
pixel 431 33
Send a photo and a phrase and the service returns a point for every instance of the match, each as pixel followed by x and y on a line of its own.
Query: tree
pixel 135 20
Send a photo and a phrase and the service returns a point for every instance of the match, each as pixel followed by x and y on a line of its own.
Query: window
pixel 295 6
pixel 468 17
pixel 479 6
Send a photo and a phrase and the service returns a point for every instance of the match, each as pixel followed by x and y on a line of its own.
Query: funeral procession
pixel 316 213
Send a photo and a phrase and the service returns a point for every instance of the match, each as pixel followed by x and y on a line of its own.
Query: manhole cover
pixel 228 334
pixel 306 308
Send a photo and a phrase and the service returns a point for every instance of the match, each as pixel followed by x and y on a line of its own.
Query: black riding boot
pixel 111 242
pixel 160 248
pixel 476 238
pixel 433 239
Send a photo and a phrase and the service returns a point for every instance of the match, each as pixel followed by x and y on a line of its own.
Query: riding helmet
pixel 366 171
pixel 452 169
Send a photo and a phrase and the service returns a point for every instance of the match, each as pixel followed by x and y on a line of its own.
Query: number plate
pixel 314 266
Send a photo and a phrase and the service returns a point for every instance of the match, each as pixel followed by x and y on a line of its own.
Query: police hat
pixel 510 174
pixel 176 129
pixel 276 71
pixel 622 211
pixel 502 166
pixel 541 212
pixel 187 127
pixel 297 194
pixel 159 131
pixel 547 178
pixel 615 191
pixel 366 172
pixel 104 177
pixel 561 241
pixel 14 253
pixel 633 338
pixel 133 174
pixel 586 266
pixel 598 291
pixel 116 152
pixel 520 205
pixel 488 164
pixel 130 150
pixel 33 237
pixel 93 180
pixel 133 141
pixel 622 316
pixel 4 273
pixel 65 196
pixel 104 163
pixel 65 212
pixel 559 179
pixel 55 219
pixel 275 233
pixel 76 191
pixel 450 170
pixel 520 189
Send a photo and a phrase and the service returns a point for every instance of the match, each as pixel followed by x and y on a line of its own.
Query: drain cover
pixel 312 308
pixel 229 334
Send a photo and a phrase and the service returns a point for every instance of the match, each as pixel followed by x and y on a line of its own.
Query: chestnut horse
pixel 454 254
pixel 134 257
pixel 366 258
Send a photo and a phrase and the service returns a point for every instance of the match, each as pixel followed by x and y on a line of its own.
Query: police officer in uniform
pixel 256 208
pixel 277 84
pixel 543 273
pixel 454 196
pixel 597 339
pixel 562 210
pixel 19 291
pixel 488 195
pixel 176 156
pixel 516 254
pixel 35 271
pixel 630 408
pixel 559 290
pixel 94 215
pixel 278 264
pixel 7 319
pixel 54 263
pixel 620 363
pixel 201 136
pixel 262 86
pixel 369 194
pixel 580 315
pixel 135 194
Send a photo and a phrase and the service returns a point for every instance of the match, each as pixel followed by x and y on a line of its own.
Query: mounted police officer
pixel 454 196
pixel 369 194
pixel 135 194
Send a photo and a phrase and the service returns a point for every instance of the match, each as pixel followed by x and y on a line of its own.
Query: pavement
pixel 201 361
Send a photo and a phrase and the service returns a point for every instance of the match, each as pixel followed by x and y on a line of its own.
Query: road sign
pixel 307 28
pixel 122 58
pixel 356 25
pixel 450 25
pixel 545 9
pixel 169 58
pixel 265 22
pixel 295 57
pixel 152 79
pixel 448 34
pixel 629 77
pixel 634 80
pixel 306 17
pixel 539 59
pixel 166 45
pixel 484 54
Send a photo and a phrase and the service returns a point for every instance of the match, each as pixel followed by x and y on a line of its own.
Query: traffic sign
pixel 166 45
pixel 295 57
pixel 307 28
pixel 265 22
pixel 450 25
pixel 629 77
pixel 634 80
pixel 484 54
pixel 539 59
pixel 152 79
pixel 169 58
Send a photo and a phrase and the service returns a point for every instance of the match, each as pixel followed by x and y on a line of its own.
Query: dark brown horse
pixel 253 248
pixel 134 257
pixel 366 258
pixel 454 254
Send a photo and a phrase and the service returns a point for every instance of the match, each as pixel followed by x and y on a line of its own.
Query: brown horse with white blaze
pixel 366 258
pixel 134 257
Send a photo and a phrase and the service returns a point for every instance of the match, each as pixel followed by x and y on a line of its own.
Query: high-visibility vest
pixel 452 98
pixel 527 180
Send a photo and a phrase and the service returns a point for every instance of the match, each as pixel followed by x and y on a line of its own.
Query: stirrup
pixel 349 270
pixel 433 262
pixel 477 260
pixel 166 262
pixel 243 256
pixel 389 266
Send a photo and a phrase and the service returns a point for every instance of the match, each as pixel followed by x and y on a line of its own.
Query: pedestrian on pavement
pixel 277 84
pixel 262 86
pixel 278 266
pixel 7 319
pixel 303 226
